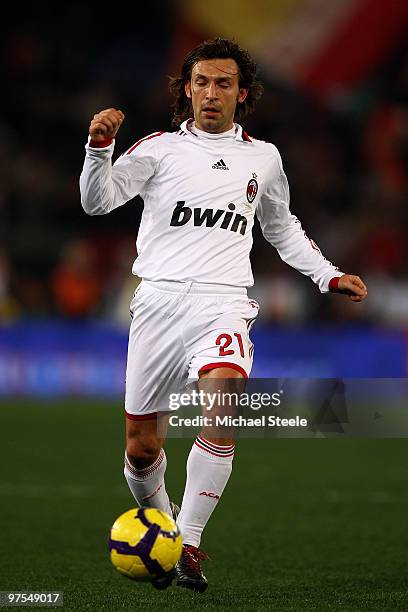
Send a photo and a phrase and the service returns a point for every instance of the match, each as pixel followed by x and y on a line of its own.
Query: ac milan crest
pixel 252 190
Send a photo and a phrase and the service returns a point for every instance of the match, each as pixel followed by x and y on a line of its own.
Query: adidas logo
pixel 220 165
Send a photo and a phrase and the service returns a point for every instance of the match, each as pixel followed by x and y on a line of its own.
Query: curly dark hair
pixel 216 48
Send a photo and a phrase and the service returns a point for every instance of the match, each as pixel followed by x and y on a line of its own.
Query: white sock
pixel 208 468
pixel 147 485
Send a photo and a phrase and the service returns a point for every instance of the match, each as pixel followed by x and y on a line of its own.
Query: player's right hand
pixel 105 124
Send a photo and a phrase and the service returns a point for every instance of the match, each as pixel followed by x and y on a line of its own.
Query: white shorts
pixel 179 330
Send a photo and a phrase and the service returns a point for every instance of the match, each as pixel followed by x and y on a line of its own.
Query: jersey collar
pixel 240 134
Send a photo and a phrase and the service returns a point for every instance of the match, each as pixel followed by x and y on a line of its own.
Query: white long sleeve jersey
pixel 201 192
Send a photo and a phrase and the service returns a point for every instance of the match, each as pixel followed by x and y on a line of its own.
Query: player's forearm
pixel 96 175
pixel 301 253
pixel 101 192
pixel 314 265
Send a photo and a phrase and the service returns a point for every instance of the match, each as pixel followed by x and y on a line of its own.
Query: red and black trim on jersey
pixel 334 287
pixel 149 137
pixel 100 144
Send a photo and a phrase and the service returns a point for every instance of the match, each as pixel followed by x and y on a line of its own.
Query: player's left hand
pixel 352 286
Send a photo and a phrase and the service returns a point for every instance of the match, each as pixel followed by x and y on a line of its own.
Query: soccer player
pixel 202 186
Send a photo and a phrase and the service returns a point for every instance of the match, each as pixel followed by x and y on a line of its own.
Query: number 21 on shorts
pixel 226 340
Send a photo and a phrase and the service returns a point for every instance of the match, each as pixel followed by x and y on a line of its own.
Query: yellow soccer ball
pixel 144 543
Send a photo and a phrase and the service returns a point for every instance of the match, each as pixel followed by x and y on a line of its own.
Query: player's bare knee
pixel 141 455
pixel 142 450
pixel 141 459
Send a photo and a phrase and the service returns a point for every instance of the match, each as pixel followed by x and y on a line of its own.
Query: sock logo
pixel 210 494
pixel 152 494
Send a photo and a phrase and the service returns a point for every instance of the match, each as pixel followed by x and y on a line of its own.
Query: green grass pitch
pixel 316 524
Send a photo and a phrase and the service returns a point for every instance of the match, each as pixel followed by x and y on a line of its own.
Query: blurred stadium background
pixel 326 519
pixel 335 104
